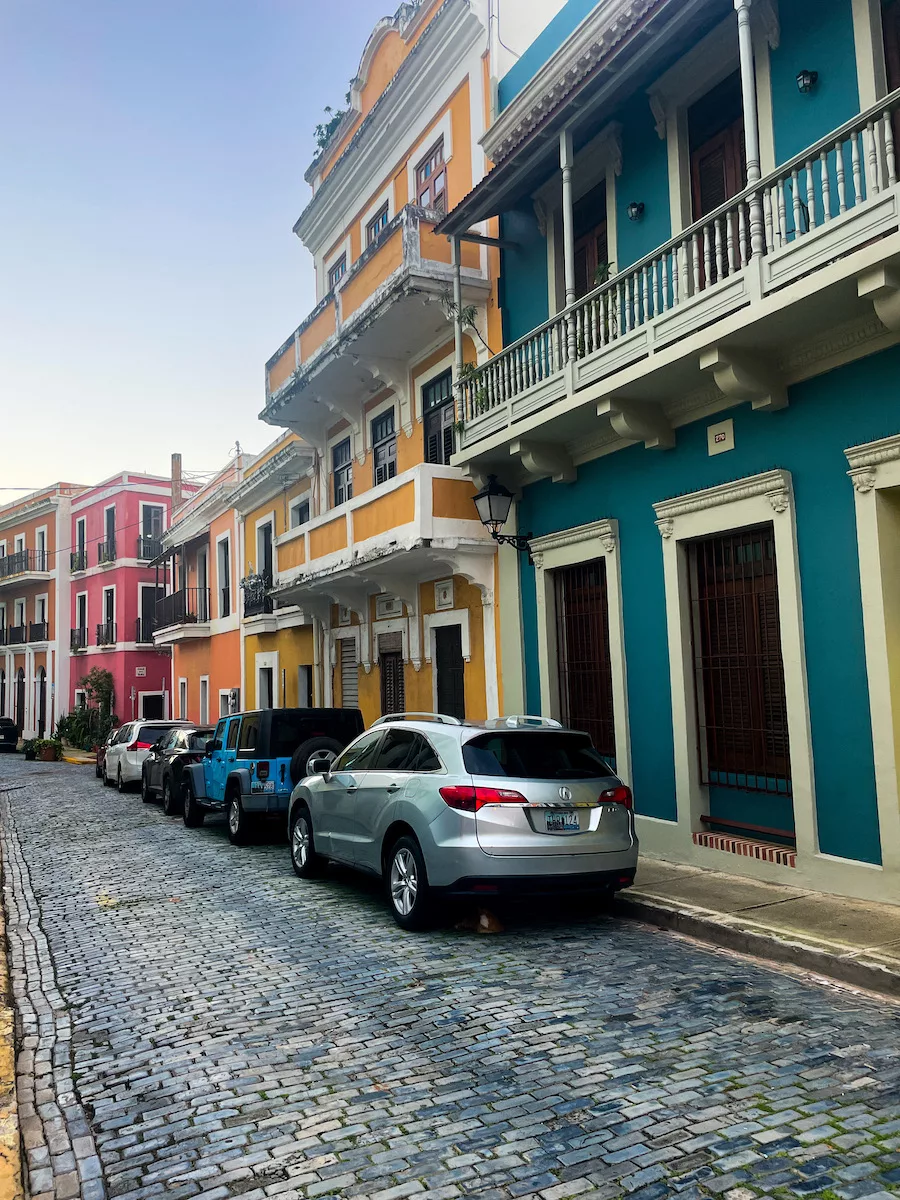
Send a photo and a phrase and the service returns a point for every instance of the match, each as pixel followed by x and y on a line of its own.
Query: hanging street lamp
pixel 493 503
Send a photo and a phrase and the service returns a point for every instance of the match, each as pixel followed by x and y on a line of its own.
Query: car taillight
pixel 140 746
pixel 618 795
pixel 470 799
pixel 262 770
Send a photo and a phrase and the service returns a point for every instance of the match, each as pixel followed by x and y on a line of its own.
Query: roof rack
pixel 522 722
pixel 441 718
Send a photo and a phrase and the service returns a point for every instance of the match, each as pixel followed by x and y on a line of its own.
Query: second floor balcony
pixel 388 305
pixel 38 631
pixel 148 547
pixel 143 632
pixel 182 616
pixel 78 560
pixel 257 600
pixel 106 552
pixel 106 633
pixel 25 566
pixel 78 639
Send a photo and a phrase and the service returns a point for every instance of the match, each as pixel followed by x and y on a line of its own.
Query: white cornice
pixel 866 459
pixel 422 86
pixel 604 532
pixel 595 38
pixel 774 485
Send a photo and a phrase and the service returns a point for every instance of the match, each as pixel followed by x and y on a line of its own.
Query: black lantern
pixel 492 504
pixel 635 210
pixel 807 80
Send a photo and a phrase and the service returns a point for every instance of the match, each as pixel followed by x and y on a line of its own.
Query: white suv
pixel 126 752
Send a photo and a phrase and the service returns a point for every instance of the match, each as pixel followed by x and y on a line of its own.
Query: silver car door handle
pixel 351 790
pixel 393 787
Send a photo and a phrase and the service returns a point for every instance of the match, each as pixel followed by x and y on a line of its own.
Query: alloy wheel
pixel 234 816
pixel 300 842
pixel 404 881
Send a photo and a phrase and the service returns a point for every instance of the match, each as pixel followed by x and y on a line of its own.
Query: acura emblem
pixel 565 793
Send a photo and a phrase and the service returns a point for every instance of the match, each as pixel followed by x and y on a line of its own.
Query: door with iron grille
pixel 583 661
pixel 450 669
pixel 738 667
pixel 390 661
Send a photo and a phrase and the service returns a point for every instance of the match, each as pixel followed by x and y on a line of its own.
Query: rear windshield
pixel 198 739
pixel 530 755
pixel 152 733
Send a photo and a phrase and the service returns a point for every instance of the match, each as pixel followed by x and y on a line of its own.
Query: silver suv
pixel 438 806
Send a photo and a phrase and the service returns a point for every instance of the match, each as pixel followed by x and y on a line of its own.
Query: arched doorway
pixel 20 700
pixel 41 701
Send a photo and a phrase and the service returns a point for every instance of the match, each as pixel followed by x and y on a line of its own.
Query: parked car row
pixel 434 806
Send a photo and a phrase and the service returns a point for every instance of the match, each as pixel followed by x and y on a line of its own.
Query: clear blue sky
pixel 153 154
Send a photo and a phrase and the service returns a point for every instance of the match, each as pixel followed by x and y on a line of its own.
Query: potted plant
pixel 28 746
pixel 48 749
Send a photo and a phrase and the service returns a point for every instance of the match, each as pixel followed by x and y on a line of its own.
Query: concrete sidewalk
pixel 851 940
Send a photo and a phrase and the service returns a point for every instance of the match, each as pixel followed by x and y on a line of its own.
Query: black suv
pixel 9 734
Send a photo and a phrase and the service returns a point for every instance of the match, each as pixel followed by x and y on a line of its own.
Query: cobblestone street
pixel 196 1020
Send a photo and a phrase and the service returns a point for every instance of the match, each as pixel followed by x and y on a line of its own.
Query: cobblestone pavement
pixel 198 1021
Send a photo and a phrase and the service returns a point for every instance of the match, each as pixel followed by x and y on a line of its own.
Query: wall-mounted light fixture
pixel 492 504
pixel 807 80
pixel 635 210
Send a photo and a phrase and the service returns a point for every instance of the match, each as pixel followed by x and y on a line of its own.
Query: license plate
pixel 563 822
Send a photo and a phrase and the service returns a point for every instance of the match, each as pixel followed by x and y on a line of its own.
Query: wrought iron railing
pixel 78 640
pixel 144 627
pixel 24 562
pixel 16 635
pixel 839 172
pixel 256 595
pixel 190 606
pixel 37 631
pixel 106 634
pixel 148 547
pixel 78 560
pixel 106 551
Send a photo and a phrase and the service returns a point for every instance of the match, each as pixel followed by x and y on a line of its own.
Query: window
pixel 738 668
pixel 20 612
pixel 80 534
pixel 384 446
pixel 81 611
pixel 406 750
pixel 264 560
pixel 534 755
pixel 337 272
pixel 223 563
pixel 438 411
pixel 375 226
pixel 431 180
pixel 716 136
pixel 182 699
pixel 233 730
pixel 41 549
pixel 360 755
pixel 299 513
pixel 249 740
pixel 583 657
pixel 349 673
pixel 343 472
pixel 204 700
pixel 224 704
pixel 19 543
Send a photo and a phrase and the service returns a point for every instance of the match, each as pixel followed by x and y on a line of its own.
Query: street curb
pixel 735 933
pixel 10 1135
pixel 80 762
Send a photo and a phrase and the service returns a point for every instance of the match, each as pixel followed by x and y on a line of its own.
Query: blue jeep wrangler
pixel 254 759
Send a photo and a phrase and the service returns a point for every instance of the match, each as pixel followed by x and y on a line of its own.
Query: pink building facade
pixel 116 531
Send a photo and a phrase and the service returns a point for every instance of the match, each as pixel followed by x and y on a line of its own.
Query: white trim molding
pixel 438 620
pixel 566 548
pixel 875 472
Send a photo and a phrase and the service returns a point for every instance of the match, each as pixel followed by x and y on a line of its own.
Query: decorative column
pixel 751 124
pixel 566 159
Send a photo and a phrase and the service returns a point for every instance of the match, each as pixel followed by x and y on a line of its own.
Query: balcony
pixel 738 305
pixel 106 634
pixel 143 633
pixel 78 640
pixel 106 552
pixel 38 631
pixel 148 548
pixel 182 616
pixel 386 304
pixel 25 566
pixel 417 526
pixel 16 635
pixel 78 561
pixel 257 600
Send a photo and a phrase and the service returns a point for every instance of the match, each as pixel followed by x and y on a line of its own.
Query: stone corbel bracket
pixel 541 459
pixel 342 410
pixel 865 461
pixel 881 285
pixel 392 373
pixel 638 421
pixel 742 376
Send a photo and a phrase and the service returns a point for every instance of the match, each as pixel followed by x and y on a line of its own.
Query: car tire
pixel 172 804
pixel 321 749
pixel 191 812
pixel 407 885
pixel 237 820
pixel 306 862
pixel 146 794
pixel 98 771
pixel 121 785
pixel 107 782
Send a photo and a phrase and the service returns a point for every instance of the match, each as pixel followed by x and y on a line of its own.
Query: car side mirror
pixel 212 745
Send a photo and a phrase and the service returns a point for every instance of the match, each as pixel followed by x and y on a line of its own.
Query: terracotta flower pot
pixel 47 755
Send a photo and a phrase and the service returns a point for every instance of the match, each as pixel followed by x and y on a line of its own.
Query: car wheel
pixel 98 770
pixel 407 885
pixel 192 814
pixel 238 821
pixel 171 804
pixel 313 757
pixel 146 794
pixel 107 782
pixel 120 782
pixel 304 860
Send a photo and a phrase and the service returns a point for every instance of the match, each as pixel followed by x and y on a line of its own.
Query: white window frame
pixel 304 498
pixel 567 548
pixel 204 684
pixel 356 437
pixel 224 696
pixel 328 261
pixel 443 128
pixel 106 509
pixel 3 548
pixel 431 622
pixel 263 661
pixel 875 466
pixel 268 519
pixel 868 39
pixel 109 588
pixel 19 543
pixel 372 414
pixel 78 596
pixel 45 596
pixel 182 698
pixel 224 537
pixel 3 624
pixel 23 610
pixel 764 499
pixel 165 700
pixel 42 532
pixel 80 698
pixel 386 197
pixel 420 382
